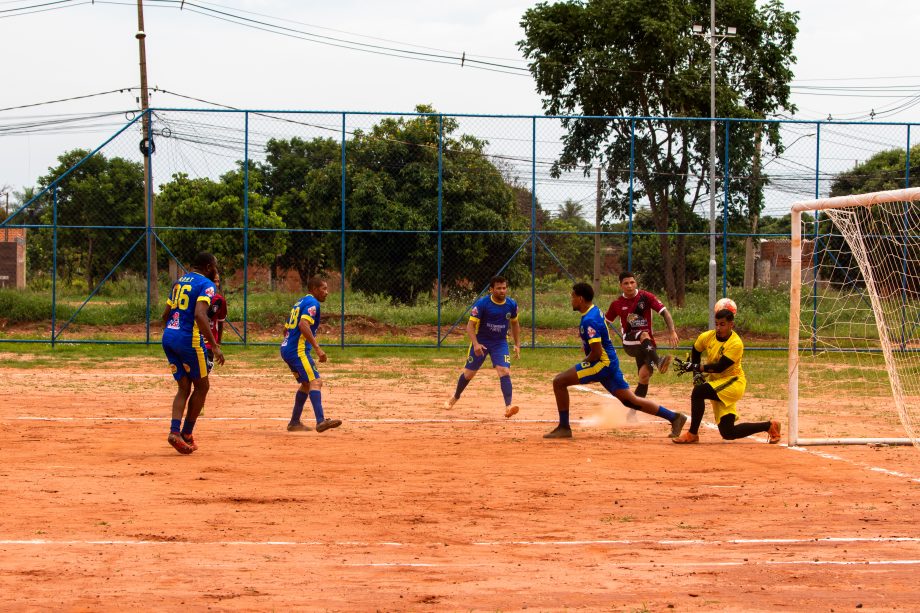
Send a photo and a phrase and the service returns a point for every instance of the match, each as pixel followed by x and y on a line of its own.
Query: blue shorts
pixel 300 363
pixel 186 358
pixel 607 374
pixel 497 350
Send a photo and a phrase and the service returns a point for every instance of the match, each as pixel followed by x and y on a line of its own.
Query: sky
pixel 78 47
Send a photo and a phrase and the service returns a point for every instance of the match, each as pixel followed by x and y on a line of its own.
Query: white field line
pixel 285 419
pixel 515 543
pixel 821 454
pixel 116 374
pixel 811 561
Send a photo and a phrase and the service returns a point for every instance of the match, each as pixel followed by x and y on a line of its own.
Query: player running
pixel 634 309
pixel 299 338
pixel 487 328
pixel 600 365
pixel 186 321
pixel 720 380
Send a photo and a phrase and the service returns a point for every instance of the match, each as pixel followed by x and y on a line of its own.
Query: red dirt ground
pixel 411 507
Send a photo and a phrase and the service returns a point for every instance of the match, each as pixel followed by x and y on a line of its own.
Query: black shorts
pixel 640 353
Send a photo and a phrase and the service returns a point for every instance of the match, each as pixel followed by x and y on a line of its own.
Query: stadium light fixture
pixel 714 39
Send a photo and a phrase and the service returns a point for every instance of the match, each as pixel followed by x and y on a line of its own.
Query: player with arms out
pixel 299 339
pixel 634 309
pixel 186 321
pixel 490 319
pixel 600 365
pixel 720 380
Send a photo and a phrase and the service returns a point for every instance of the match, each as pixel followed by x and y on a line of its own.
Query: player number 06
pixel 180 296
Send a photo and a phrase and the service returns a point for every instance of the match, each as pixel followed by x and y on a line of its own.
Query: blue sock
pixel 174 425
pixel 564 419
pixel 505 382
pixel 188 427
pixel 316 399
pixel 669 415
pixel 300 399
pixel 462 382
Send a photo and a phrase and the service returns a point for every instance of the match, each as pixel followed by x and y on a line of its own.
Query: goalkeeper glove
pixel 684 366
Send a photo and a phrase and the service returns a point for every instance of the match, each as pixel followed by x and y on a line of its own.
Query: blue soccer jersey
pixel 593 329
pixel 182 341
pixel 493 318
pixel 187 292
pixel 306 308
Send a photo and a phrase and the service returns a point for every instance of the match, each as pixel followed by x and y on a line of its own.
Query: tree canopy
pixel 631 58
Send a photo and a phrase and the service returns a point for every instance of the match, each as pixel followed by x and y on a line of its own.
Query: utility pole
pixel 714 41
pixel 147 151
pixel 597 237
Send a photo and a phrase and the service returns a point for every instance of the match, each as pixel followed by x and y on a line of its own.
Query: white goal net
pixel 854 326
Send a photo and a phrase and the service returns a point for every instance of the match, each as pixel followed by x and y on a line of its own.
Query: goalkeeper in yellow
pixel 720 380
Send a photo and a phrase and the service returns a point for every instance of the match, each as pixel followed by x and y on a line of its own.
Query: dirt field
pixel 411 507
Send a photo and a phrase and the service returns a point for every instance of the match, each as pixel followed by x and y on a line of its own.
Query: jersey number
pixel 179 299
pixel 294 319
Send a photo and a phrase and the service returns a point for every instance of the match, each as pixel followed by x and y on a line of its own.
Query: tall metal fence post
pixel 726 186
pixel 342 259
pixel 907 162
pixel 814 248
pixel 246 228
pixel 54 253
pixel 632 174
pixel 440 213
pixel 152 287
pixel 533 233
pixel 904 240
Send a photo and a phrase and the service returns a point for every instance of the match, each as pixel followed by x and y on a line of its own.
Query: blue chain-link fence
pixel 409 215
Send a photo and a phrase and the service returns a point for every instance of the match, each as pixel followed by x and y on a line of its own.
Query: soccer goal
pixel 854 324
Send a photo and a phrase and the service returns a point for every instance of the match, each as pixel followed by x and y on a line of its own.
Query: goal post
pixel 854 320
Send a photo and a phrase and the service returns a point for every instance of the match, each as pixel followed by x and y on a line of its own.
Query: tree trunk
pixel 754 205
pixel 89 264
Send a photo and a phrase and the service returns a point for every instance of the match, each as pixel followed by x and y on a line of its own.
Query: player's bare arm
pixel 204 326
pixel 594 354
pixel 165 315
pixel 672 331
pixel 478 349
pixel 308 336
pixel 516 336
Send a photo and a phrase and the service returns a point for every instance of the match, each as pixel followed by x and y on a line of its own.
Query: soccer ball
pixel 725 303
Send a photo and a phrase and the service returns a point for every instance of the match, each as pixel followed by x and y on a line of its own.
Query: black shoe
pixel 298 427
pixel 326 424
pixel 677 425
pixel 559 432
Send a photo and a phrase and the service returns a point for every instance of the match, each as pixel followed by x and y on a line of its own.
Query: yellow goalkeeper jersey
pixel 713 349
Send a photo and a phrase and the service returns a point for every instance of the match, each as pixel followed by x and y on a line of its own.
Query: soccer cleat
pixel 298 427
pixel 559 432
pixel 686 438
pixel 511 410
pixel 663 363
pixel 190 441
pixel 326 424
pixel 181 446
pixel 450 402
pixel 774 431
pixel 677 425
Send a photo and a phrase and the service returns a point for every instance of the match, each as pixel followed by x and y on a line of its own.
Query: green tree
pixel 631 58
pixel 303 181
pixel 393 186
pixel 204 203
pixel 97 198
pixel 883 171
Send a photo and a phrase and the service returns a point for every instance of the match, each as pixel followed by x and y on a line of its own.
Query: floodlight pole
pixel 147 151
pixel 714 41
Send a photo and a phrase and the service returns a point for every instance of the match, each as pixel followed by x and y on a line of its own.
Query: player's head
pixel 582 296
pixel 217 280
pixel 318 287
pixel 628 284
pixel 206 264
pixel 498 285
pixel 725 322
